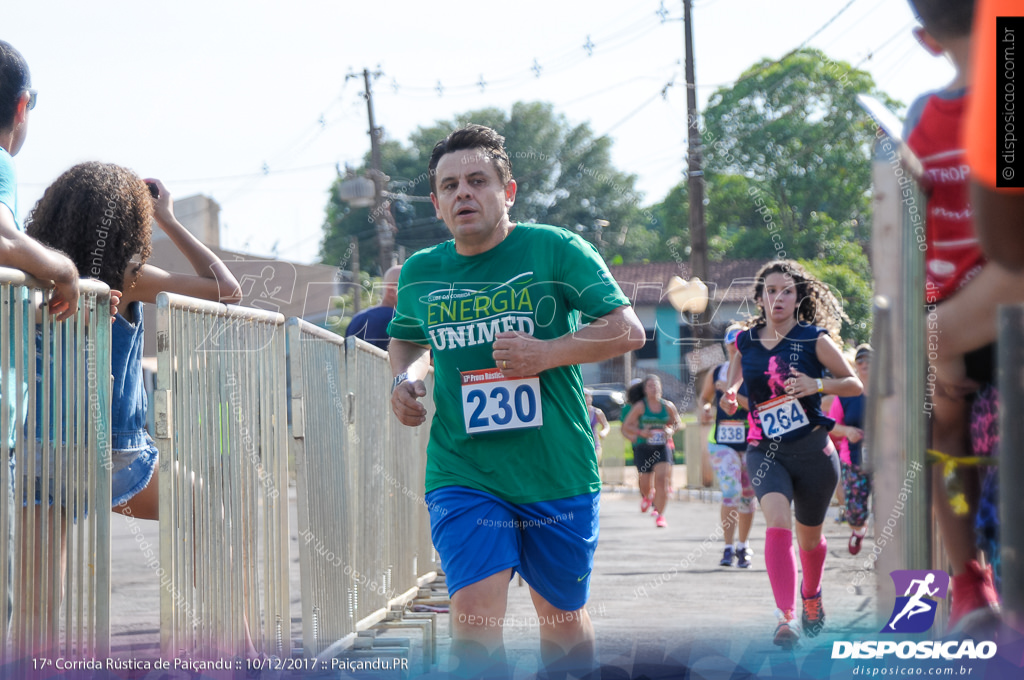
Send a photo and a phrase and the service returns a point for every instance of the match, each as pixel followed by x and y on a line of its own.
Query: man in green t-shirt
pixel 510 311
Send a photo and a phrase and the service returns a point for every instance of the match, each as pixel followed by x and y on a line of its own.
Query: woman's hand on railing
pixel 64 301
pixel 115 299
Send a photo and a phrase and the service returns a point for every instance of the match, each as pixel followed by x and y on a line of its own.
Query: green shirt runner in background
pixel 542 280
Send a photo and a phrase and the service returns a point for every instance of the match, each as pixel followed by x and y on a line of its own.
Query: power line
pixel 787 55
pixel 250 175
pixel 602 45
pixel 635 111
pixel 871 54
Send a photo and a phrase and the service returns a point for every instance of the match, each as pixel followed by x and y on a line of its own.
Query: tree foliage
pixel 794 128
pixel 853 290
pixel 564 174
pixel 788 171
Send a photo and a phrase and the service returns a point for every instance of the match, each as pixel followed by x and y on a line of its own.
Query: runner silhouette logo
pixel 914 611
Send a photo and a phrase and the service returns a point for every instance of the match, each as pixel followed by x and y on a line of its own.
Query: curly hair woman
pixel 781 357
pixel 100 214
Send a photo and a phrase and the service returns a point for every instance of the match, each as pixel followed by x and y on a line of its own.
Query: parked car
pixel 610 400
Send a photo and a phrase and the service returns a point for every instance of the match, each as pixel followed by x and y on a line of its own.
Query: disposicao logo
pixel 914 611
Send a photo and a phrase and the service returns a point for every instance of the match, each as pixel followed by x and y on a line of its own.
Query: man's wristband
pixel 821 385
pixel 399 379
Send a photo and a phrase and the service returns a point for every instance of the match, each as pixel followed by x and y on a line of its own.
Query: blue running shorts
pixel 550 543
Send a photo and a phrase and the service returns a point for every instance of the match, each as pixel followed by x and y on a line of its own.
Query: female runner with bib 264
pixel 782 356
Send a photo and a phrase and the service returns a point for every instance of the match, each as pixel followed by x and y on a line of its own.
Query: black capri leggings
pixel 805 471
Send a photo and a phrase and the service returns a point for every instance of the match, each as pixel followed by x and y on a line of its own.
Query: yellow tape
pixel 960 461
pixel 954 485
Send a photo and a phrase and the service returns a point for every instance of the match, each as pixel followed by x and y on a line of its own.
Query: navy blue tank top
pixel 765 373
pixel 853 415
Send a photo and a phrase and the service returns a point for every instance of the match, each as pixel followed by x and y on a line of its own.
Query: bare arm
pixel 999 223
pixel 967 320
pixel 707 398
pixel 602 421
pixel 23 252
pixel 843 383
pixel 413 359
pixel 212 280
pixel 675 423
pixel 730 402
pixel 615 333
pixel 631 425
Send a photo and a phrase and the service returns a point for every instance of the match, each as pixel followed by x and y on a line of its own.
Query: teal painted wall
pixel 668 331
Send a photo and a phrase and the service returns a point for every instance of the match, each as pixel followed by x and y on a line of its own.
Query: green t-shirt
pixel 541 280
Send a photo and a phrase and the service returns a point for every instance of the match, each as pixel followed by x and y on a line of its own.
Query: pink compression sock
pixel 813 562
pixel 780 560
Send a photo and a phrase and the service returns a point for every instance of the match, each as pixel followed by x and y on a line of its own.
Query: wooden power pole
pixel 695 173
pixel 381 214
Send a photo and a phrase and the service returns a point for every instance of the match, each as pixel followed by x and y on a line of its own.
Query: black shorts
pixel 646 456
pixel 805 471
pixel 981 365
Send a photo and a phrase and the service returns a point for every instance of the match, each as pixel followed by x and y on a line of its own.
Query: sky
pixel 251 103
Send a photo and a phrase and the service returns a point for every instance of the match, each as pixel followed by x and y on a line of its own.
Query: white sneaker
pixel 786 635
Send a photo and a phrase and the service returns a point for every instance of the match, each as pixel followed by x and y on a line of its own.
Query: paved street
pixel 656 594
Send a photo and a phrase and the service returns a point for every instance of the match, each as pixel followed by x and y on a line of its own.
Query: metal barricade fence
pixel 1011 465
pixel 220 414
pixel 55 424
pixel 896 404
pixel 364 530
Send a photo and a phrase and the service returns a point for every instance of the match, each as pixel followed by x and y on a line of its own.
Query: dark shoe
pixel 813 615
pixel 743 558
pixel 727 557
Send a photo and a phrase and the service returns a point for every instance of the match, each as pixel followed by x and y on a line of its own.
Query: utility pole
pixel 357 297
pixel 381 214
pixel 698 232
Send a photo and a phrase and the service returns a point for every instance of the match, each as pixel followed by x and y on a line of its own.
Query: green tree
pixel 564 174
pixel 853 290
pixel 795 130
pixel 788 171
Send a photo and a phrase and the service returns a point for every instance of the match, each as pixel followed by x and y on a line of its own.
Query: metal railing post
pixel 1011 464
pixel 55 407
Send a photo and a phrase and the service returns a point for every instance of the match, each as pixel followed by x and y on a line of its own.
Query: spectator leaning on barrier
pixel 101 214
pixel 371 324
pixel 502 307
pixel 17 250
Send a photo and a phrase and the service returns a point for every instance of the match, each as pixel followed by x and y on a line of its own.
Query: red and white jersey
pixel 954 255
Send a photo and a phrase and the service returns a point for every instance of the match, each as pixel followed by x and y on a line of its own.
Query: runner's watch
pixel 399 379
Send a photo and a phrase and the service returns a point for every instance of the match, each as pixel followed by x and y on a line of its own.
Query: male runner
pixel 509 310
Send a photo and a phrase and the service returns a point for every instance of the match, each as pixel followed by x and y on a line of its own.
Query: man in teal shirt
pixel 510 311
